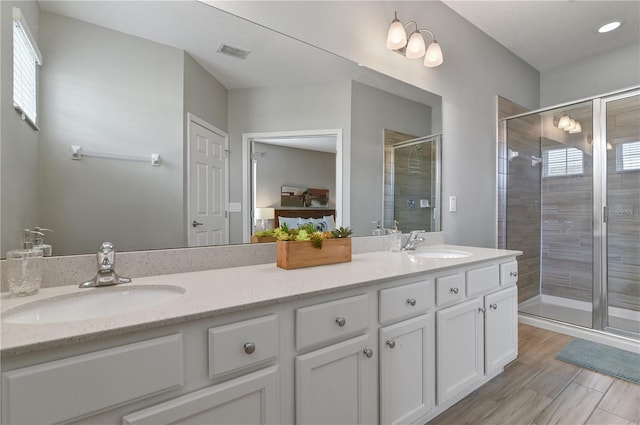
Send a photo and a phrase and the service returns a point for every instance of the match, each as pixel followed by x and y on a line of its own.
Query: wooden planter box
pixel 298 254
pixel 263 239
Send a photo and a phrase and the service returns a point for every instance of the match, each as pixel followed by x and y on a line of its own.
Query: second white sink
pixel 92 304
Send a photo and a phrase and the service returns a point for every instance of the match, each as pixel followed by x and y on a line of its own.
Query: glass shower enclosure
pixel 572 205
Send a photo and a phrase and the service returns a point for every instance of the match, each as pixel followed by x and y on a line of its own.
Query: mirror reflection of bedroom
pixel 294 181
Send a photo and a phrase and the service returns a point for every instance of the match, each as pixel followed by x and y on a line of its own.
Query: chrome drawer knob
pixel 411 302
pixel 514 274
pixel 494 306
pixel 482 310
pixel 249 347
pixel 368 352
pixel 341 321
pixel 454 290
pixel 391 343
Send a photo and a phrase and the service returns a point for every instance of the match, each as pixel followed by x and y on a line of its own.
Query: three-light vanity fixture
pixel 568 124
pixel 414 47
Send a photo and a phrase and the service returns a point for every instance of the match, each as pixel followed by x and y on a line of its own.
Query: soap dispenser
pixel 38 241
pixel 395 237
pixel 24 267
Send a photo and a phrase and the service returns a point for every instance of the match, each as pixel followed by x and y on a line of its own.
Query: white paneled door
pixel 207 217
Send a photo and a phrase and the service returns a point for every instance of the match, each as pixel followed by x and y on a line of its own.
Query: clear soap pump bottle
pixel 38 241
pixel 24 267
pixel 395 237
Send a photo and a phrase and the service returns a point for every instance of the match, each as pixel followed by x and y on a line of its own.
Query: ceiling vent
pixel 233 51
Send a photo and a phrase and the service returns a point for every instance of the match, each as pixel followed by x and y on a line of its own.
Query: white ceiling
pixel 551 33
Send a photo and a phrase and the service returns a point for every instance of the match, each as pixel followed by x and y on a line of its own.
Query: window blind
pixel 26 57
pixel 563 162
pixel 628 156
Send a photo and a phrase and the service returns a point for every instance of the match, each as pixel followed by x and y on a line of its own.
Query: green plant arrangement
pixel 307 232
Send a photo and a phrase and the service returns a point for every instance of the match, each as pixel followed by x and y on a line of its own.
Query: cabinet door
pixel 336 384
pixel 460 334
pixel 407 370
pixel 250 399
pixel 501 328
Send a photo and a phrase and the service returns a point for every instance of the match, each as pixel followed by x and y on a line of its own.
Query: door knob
pixel 196 224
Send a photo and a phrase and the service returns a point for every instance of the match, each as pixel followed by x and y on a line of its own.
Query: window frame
pixel 568 150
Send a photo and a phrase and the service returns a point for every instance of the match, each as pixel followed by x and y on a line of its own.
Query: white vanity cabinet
pixel 335 384
pixel 479 336
pixel 407 364
pixel 398 350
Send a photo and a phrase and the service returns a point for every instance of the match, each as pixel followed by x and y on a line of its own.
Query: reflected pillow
pixel 331 223
pixel 291 222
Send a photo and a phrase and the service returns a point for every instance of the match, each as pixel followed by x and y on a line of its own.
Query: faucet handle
pixel 414 234
pixel 106 256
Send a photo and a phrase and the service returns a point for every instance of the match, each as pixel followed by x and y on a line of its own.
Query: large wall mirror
pixel 124 80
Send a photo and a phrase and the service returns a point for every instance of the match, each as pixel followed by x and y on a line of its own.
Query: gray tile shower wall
pixel 519 207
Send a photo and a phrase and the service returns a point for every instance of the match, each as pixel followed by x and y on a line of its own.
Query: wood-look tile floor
pixel 537 389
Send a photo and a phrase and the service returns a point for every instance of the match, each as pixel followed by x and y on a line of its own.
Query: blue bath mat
pixel 602 358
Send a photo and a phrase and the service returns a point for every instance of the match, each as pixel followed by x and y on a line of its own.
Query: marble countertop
pixel 213 292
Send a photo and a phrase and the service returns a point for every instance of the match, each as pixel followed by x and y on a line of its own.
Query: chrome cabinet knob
pixel 368 352
pixel 196 223
pixel 514 274
pixel 482 310
pixel 249 347
pixel 411 302
pixel 341 321
pixel 454 290
pixel 391 343
pixel 494 306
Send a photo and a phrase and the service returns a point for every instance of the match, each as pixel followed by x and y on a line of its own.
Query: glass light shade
pixel 433 57
pixel 415 46
pixel 609 146
pixel 265 213
pixel 396 36
pixel 577 129
pixel 571 126
pixel 564 122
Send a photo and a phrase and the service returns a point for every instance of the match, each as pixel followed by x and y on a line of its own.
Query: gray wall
pixel 613 70
pixel 283 166
pixel 475 69
pixel 373 111
pixel 18 141
pixel 113 93
pixel 287 108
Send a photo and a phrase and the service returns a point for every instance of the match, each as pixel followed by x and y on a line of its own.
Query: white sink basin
pixel 439 253
pixel 92 304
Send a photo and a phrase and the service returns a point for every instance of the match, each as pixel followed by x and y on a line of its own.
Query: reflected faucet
pixel 106 275
pixel 413 240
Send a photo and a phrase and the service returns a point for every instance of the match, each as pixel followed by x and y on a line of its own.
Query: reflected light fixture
pixel 415 47
pixel 569 125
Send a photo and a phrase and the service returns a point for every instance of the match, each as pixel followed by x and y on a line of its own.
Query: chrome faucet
pixel 413 240
pixel 106 275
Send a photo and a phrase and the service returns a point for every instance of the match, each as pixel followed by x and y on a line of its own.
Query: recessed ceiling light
pixel 609 27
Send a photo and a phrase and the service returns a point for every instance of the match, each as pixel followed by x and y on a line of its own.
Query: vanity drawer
pixel 482 279
pixel 406 300
pixel 332 321
pixel 242 344
pixel 450 289
pixel 509 273
pixel 62 390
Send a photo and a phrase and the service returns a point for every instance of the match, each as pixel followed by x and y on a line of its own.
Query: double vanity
pixel 391 337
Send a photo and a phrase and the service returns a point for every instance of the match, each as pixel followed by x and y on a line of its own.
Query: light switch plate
pixel 235 207
pixel 453 204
